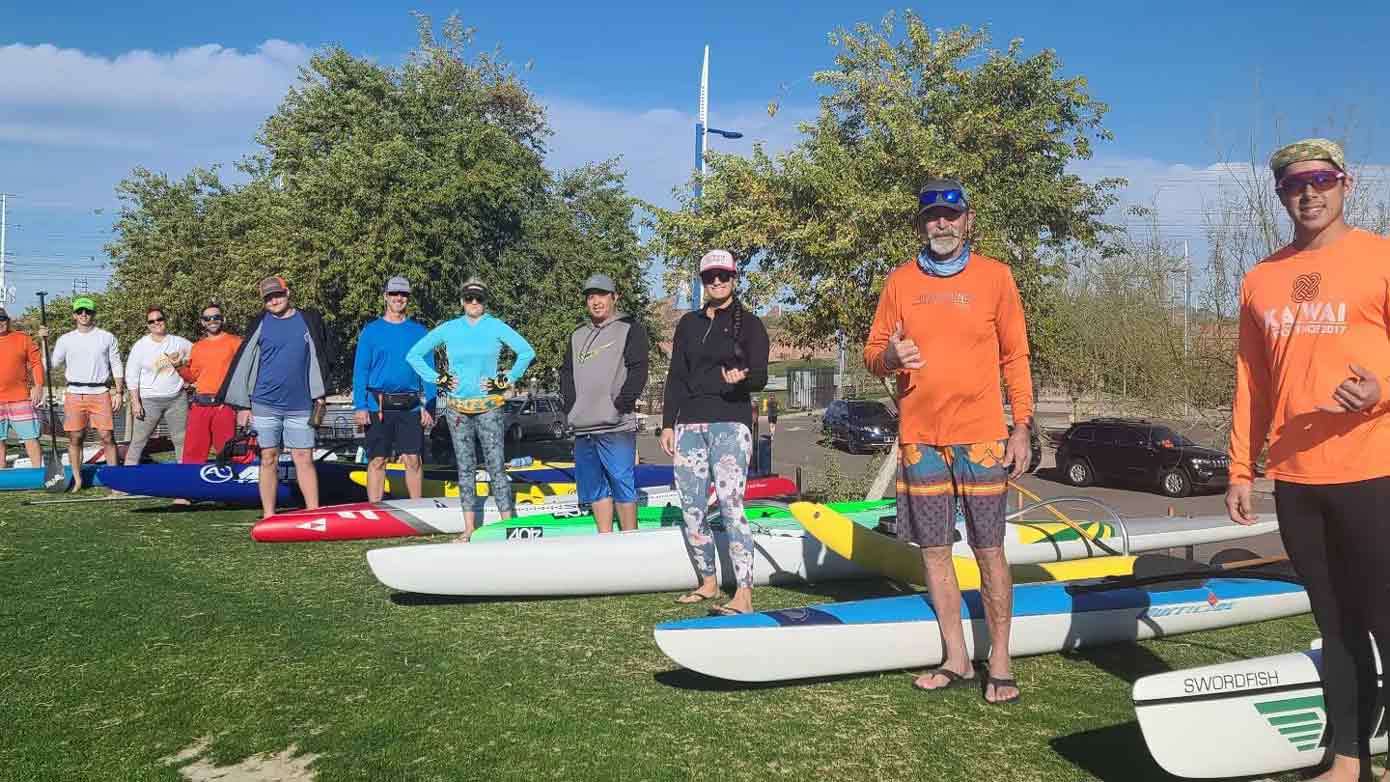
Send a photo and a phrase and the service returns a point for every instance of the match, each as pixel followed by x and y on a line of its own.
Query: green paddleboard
pixel 540 527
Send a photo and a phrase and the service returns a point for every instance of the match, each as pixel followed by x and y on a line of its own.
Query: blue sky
pixel 91 90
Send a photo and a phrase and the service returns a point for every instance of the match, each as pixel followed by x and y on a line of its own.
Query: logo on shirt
pixel 1305 287
pixel 1308 317
pixel 590 353
pixel 958 299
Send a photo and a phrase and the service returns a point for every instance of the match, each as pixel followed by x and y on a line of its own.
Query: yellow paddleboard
pixel 523 493
pixel 902 561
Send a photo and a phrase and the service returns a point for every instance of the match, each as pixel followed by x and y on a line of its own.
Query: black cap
pixel 934 189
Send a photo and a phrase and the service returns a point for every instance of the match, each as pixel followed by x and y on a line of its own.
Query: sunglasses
pixel 710 278
pixel 400 294
pixel 83 311
pixel 928 197
pixel 471 298
pixel 153 321
pixel 212 318
pixel 1321 180
pixel 4 320
pixel 274 296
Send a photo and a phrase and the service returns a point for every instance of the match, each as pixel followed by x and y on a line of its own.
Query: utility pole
pixel 3 199
pixel 1186 297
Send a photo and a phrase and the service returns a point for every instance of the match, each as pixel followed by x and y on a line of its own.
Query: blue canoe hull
pixel 234 484
pixel 20 478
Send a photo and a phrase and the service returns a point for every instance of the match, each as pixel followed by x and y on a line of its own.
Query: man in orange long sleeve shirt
pixel 1311 369
pixel 210 424
pixel 21 388
pixel 947 323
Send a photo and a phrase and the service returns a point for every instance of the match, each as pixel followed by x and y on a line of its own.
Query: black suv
pixel 1138 451
pixel 859 424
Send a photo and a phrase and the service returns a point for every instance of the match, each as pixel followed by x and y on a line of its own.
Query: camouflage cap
pixel 1308 149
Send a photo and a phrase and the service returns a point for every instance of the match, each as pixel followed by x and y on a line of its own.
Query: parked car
pixel 1132 450
pixel 536 417
pixel 859 424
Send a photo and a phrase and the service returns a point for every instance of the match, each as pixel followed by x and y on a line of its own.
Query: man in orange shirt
pixel 1311 369
pixel 210 423
pixel 21 388
pixel 947 323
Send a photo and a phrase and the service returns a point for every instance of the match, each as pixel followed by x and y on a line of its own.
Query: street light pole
pixel 703 129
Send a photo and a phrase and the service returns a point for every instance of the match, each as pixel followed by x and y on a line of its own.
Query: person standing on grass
pixel 474 395
pixel 277 376
pixel 92 359
pixel 156 388
pixel 772 416
pixel 718 358
pixel 603 374
pixel 210 423
pixel 21 388
pixel 1311 372
pixel 387 394
pixel 948 322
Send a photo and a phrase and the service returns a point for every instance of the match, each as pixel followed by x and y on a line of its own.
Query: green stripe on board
pixel 1289 719
pixel 1289 704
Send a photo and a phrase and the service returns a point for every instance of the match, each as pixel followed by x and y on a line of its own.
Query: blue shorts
pixel 604 466
pixel 288 431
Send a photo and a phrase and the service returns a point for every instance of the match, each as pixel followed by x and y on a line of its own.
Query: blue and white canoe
pixel 893 633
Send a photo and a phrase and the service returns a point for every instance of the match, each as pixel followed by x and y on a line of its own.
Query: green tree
pixel 433 170
pixel 821 224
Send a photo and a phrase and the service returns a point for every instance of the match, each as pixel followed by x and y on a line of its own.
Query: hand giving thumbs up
pixel 902 351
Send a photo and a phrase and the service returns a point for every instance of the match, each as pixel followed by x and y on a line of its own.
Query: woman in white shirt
pixel 156 390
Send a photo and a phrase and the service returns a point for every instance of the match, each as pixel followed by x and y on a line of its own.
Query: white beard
pixel 944 246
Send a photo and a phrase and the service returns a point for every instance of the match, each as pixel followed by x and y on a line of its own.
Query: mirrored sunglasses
pixel 212 318
pixel 1321 180
pixel 929 197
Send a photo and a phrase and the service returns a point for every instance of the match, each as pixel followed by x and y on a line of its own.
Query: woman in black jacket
pixel 718 356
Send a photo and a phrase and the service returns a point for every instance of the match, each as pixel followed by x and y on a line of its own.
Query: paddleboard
pixel 401 518
pixel 655 560
pixel 19 478
pixel 1025 542
pixel 532 483
pixel 233 484
pixel 902 632
pixel 1271 708
pixel 427 517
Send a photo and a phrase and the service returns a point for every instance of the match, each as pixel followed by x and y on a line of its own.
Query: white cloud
pixel 208 78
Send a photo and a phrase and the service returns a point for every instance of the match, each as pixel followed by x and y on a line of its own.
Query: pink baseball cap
pixel 718 259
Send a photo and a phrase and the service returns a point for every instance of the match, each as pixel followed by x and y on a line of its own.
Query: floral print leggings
pixel 487 428
pixel 717 451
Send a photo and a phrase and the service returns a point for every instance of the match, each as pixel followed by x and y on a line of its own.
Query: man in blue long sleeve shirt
pixel 386 393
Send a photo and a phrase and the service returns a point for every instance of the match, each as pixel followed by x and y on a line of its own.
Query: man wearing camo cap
pixel 1311 373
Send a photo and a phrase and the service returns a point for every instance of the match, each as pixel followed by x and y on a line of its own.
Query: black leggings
pixel 1338 537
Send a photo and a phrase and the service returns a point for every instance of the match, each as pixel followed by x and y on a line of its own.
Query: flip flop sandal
pixel 953 680
pixel 726 610
pixel 1002 683
pixel 699 598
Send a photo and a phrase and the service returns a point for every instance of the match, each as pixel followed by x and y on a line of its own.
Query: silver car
pixel 535 418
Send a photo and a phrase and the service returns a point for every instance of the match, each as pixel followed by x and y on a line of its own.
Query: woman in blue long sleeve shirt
pixel 473 395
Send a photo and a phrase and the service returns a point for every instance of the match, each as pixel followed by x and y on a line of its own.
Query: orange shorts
pixel 83 410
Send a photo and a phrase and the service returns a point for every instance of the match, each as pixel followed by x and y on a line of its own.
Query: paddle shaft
pixel 48 382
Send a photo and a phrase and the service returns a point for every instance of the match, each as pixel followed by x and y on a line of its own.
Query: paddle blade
pixel 55 478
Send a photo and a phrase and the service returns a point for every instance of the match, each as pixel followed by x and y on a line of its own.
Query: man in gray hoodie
pixel 604 372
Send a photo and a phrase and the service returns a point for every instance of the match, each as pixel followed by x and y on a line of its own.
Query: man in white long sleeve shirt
pixel 156 389
pixel 91 359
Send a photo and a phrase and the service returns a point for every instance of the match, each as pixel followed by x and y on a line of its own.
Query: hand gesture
pixel 668 441
pixel 902 351
pixel 1359 392
pixel 1018 451
pixel 733 376
pixel 1240 504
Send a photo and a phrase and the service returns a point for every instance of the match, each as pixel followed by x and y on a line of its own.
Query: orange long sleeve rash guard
pixel 1305 317
pixel 968 328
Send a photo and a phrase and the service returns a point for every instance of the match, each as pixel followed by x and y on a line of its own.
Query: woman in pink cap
pixel 718 357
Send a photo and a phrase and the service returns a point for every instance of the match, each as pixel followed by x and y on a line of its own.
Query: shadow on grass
pixel 415 599
pixel 1115 753
pixel 685 679
pixel 1126 662
pixel 841 591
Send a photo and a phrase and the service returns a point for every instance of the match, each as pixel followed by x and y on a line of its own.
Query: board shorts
pixel 282 430
pixel 21 418
pixel 936 481
pixel 393 432
pixel 605 465
pixel 83 410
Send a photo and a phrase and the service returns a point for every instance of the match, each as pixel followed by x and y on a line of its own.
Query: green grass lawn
pixel 131 633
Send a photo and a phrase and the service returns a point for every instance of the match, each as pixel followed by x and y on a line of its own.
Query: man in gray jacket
pixel 604 372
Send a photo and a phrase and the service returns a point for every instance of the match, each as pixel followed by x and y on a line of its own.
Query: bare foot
pixel 464 537
pixel 935 680
pixel 697 596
